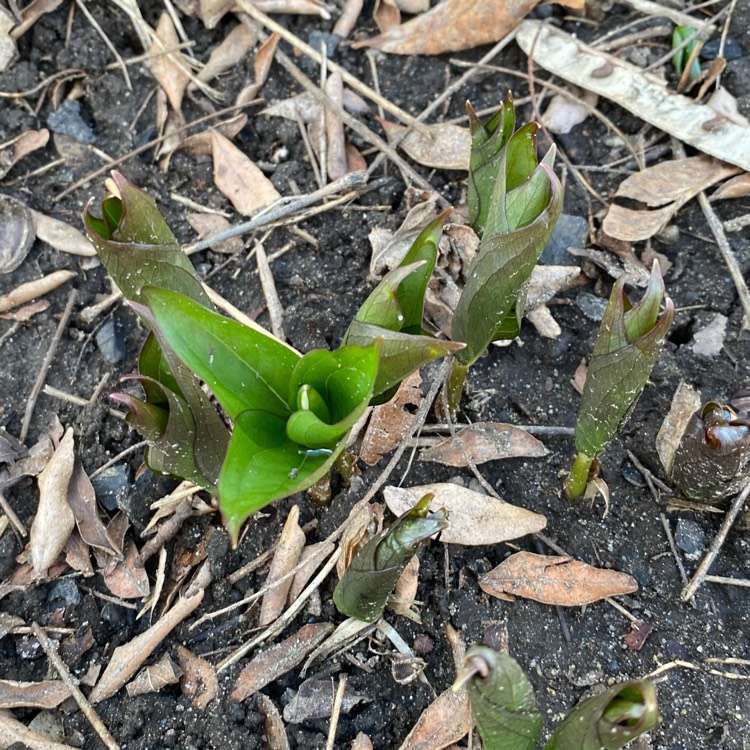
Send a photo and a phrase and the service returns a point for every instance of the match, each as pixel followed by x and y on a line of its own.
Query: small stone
pixel 112 487
pixel 63 593
pixel 690 538
pixel 110 342
pixel 66 119
pixel 732 49
pixel 318 39
pixel 632 475
pixel 570 231
pixel 591 306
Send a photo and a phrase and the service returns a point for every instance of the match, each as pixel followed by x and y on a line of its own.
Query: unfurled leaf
pixel 370 578
pixel 610 720
pixel 502 700
pixel 627 346
pixel 555 580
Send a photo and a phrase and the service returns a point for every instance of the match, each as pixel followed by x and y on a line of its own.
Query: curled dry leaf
pixel 13 731
pixel 736 187
pixel 285 559
pixel 482 442
pixel 171 76
pixel 14 150
pixel 273 724
pixel 232 51
pixel 404 596
pixel 557 580
pixel 208 225
pixel 61 235
pixel 362 527
pixel 362 742
pixel 54 520
pixel 16 233
pixel 390 422
pixel 278 659
pixel 199 681
pixel 475 519
pixel 440 146
pixel 45 694
pixel 453 25
pixel 239 179
pixel 685 402
pixel 262 67
pixel 127 578
pixel 445 721
pixel 153 678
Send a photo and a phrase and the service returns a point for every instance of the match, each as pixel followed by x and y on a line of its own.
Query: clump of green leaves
pixel 627 346
pixel 514 203
pixel 372 575
pixel 504 708
pixel 290 414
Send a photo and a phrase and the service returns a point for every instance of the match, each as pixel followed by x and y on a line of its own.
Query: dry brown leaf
pixel 314 700
pixel 127 659
pixel 441 146
pixel 557 580
pixel 404 596
pixel 454 25
pixel 288 550
pixel 309 561
pixel 14 150
pixel 685 402
pixel 13 732
pixel 445 721
pixel 78 555
pixel 278 659
pixel 563 113
pixel 127 579
pixel 482 442
pixel 362 742
pixel 54 519
pixel 709 341
pixel 262 67
pixel 208 225
pixel 725 105
pixel 202 143
pixel 45 694
pixel 168 74
pixel 736 187
pixel 390 422
pixel 153 678
pixel 239 179
pixel 386 15
pixel 61 235
pixel 212 11
pixel 336 161
pixel 232 51
pixel 199 681
pixel 273 724
pixel 366 523
pixel 475 519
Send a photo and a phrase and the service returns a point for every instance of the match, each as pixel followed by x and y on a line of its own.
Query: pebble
pixel 66 119
pixel 63 593
pixel 690 538
pixel 317 38
pixel 732 49
pixel 632 476
pixel 112 487
pixel 110 341
pixel 570 231
pixel 591 306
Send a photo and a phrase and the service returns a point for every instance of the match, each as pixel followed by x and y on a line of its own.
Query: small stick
pixel 49 390
pixel 273 303
pixel 348 18
pixel 336 712
pixel 39 383
pixel 737 505
pixel 650 8
pixel 32 289
pixel 728 581
pixel 13 519
pixel 122 454
pixel 673 547
pixel 75 691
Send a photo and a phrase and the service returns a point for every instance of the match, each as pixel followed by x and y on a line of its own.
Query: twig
pixel 13 519
pixel 33 289
pixel 75 691
pixel 336 712
pixel 737 505
pixel 49 390
pixel 273 303
pixel 122 454
pixel 728 581
pixel 659 9
pixel 39 382
pixel 672 546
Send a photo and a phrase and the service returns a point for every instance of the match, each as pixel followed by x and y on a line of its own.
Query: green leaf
pixel 502 700
pixel 401 353
pixel 263 465
pixel 244 368
pixel 383 307
pixel 626 348
pixel 343 380
pixel 610 720
pixel 364 589
pixel 138 248
pixel 497 277
pixel 681 58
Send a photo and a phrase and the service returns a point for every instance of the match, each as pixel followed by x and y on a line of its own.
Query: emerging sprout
pixel 688 54
pixel 372 574
pixel 712 460
pixel 627 346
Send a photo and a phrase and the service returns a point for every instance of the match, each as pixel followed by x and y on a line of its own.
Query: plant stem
pixel 456 385
pixel 575 485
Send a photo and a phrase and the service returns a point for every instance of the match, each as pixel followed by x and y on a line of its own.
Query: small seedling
pixel 687 57
pixel 627 346
pixel 504 708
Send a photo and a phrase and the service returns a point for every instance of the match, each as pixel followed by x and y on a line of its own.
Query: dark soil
pixel 320 289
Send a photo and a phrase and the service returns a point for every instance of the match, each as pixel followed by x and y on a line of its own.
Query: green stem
pixel 575 485
pixel 456 386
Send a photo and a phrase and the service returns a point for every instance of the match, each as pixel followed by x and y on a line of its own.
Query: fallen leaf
pixel 362 742
pixel 363 526
pixel 412 6
pixel 208 225
pixel 127 659
pixel 725 105
pixel 386 15
pixel 45 694
pixel 273 724
pixel 13 732
pixel 288 550
pixel 14 150
pixel 62 236
pixel 262 67
pixel 127 579
pixel 153 678
pixel 445 721
pixel 709 341
pixel 239 179
pixel 404 596
pixel 610 76
pixel 314 700
pixel 171 76
pixel 639 631
pixel 563 113
pixel 736 187
pixel 475 519
pixel 304 7
pixel 390 422
pixel 232 51
pixel 440 146
pixel 212 11
pixel 16 234
pixel 482 442
pixel 336 161
pixel 199 681
pixel 8 49
pixel 453 25
pixel 557 580
pixel 685 402
pixel 309 561
pixel 278 659
pixel 54 519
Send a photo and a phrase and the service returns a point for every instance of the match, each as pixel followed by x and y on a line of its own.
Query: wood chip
pixel 557 580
